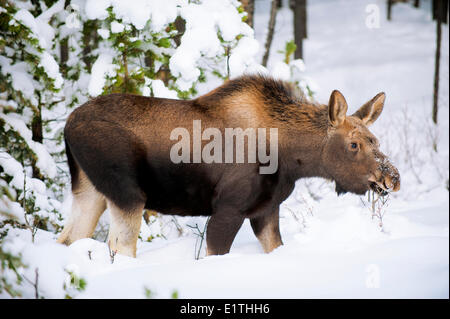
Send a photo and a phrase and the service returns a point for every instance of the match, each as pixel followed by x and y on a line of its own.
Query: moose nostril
pixel 388 183
pixel 394 183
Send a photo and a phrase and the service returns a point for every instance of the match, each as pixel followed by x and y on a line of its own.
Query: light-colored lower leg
pixel 87 207
pixel 267 230
pixel 124 229
pixel 269 239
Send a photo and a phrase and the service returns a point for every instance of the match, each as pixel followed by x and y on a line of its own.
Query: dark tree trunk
pixel 180 25
pixel 64 48
pixel 249 7
pixel 300 25
pixel 64 54
pixel 37 136
pixel 273 16
pixel 436 71
pixel 36 128
pixel 90 42
pixel 416 3
pixel 440 8
pixel 389 9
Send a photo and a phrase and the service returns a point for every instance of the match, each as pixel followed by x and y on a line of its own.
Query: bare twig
pixel 200 235
pixel 34 283
pixel 378 205
pixel 302 222
pixel 406 142
pixel 177 225
pixel 112 253
pixel 228 52
pixel 29 225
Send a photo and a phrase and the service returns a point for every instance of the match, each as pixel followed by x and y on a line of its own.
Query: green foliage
pixel 296 77
pixel 148 293
pixel 309 91
pixel 22 52
pixel 10 263
pixel 289 49
pixel 138 52
pixel 74 284
pixel 15 145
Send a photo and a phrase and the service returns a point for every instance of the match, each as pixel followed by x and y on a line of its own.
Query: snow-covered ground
pixel 333 246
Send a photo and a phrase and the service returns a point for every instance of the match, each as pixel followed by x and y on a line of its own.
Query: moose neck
pixel 302 157
pixel 303 142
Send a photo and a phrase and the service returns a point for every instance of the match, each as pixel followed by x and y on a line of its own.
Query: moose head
pixel 351 154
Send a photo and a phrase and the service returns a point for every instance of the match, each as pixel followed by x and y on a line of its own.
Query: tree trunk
pixel 389 9
pixel 416 3
pixel 300 31
pixel 36 127
pixel 90 42
pixel 37 136
pixel 273 16
pixel 249 7
pixel 126 77
pixel 180 25
pixel 439 8
pixel 64 54
pixel 64 49
pixel 436 70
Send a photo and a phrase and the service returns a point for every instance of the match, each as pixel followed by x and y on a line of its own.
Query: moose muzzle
pixel 386 178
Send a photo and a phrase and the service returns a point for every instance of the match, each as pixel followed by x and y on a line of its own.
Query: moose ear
pixel 369 112
pixel 337 108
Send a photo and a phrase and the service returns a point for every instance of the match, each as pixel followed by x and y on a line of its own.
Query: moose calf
pixel 119 154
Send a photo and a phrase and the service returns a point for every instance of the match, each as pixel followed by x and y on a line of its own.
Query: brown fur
pixel 121 143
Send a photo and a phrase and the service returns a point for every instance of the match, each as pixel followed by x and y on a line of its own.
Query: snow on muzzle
pixel 385 179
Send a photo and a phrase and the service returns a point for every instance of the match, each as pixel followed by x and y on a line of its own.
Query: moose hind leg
pixel 222 228
pixel 124 229
pixel 87 207
pixel 267 230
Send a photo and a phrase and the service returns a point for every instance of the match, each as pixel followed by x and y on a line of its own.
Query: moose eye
pixel 354 146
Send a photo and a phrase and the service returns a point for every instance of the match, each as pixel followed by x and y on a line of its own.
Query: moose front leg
pixel 222 228
pixel 267 230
